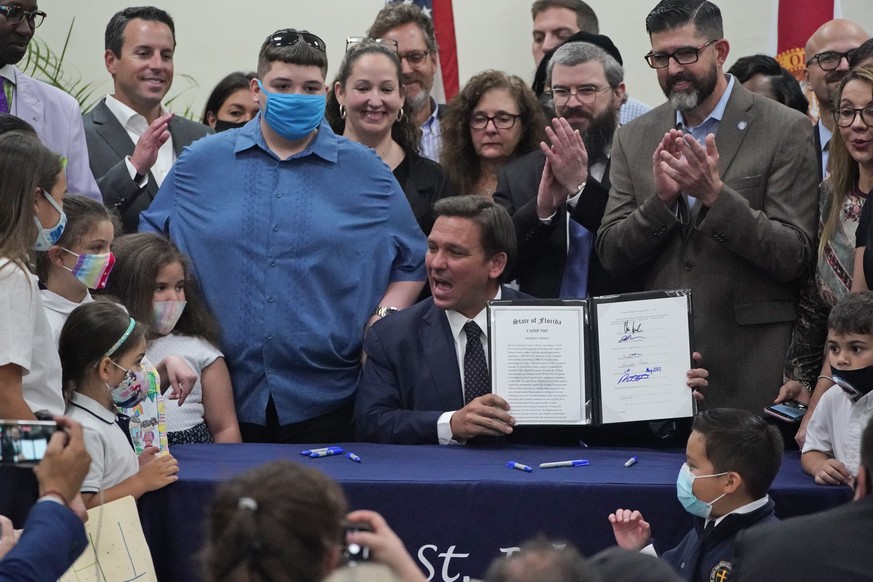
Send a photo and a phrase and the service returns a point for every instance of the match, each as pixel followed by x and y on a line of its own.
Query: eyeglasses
pixel 830 60
pixel 501 120
pixel 683 56
pixel 414 57
pixel 585 95
pixel 15 14
pixel 845 116
pixel 290 37
pixel 353 41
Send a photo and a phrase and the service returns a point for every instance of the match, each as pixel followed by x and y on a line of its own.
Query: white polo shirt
pixel 26 338
pixel 112 456
pixel 58 309
pixel 836 426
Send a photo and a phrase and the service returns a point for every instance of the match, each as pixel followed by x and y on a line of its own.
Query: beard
pixel 597 136
pixel 698 91
pixel 417 101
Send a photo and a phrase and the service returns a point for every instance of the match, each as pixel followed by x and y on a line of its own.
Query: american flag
pixel 443 18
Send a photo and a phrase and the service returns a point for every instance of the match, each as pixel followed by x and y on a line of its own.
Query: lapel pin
pixel 742 125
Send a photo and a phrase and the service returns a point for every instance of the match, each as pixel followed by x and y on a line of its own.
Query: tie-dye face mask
pixel 92 270
pixel 166 315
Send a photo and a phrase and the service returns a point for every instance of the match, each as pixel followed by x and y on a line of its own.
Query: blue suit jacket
pixel 57 119
pixel 52 540
pixel 411 376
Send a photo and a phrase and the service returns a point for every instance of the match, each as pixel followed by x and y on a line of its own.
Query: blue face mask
pixel 47 237
pixel 293 116
pixel 685 493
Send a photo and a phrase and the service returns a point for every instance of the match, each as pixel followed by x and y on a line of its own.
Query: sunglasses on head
pixel 354 41
pixel 290 37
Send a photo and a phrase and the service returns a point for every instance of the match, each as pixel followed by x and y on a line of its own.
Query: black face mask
pixel 221 125
pixel 855 383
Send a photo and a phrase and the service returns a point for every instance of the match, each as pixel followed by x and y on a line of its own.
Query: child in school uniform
pixel 153 281
pixel 102 353
pixel 732 457
pixel 833 437
pixel 80 259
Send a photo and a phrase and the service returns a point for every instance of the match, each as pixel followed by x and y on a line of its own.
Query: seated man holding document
pixel 426 379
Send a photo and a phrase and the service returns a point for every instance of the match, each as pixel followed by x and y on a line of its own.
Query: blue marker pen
pixel 630 462
pixel 519 466
pixel 354 457
pixel 329 452
pixel 308 452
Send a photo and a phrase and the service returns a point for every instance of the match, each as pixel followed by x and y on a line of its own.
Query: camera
pixel 23 442
pixel 354 553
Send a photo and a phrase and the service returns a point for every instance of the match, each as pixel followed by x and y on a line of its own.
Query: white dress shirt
pixel 135 125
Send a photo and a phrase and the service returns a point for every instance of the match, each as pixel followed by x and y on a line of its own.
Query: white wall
pixel 218 36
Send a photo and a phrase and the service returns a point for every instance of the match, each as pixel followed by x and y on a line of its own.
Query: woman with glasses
pixel 842 226
pixel 367 105
pixel 494 119
pixel 854 116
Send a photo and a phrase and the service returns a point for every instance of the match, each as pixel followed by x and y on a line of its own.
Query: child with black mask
pixel 833 437
pixel 732 457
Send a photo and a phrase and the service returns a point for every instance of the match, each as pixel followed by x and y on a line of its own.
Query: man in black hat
pixel 557 195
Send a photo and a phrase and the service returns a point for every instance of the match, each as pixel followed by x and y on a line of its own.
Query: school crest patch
pixel 721 572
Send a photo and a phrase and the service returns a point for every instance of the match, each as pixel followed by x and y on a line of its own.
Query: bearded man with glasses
pixel 715 191
pixel 54 114
pixel 417 48
pixel 556 195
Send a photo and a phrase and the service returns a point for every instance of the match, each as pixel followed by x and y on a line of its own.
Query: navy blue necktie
pixel 123 422
pixel 574 284
pixel 477 380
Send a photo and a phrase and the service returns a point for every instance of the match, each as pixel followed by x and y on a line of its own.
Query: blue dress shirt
pixel 292 256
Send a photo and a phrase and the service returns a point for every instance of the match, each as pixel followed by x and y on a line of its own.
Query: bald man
pixel 827 61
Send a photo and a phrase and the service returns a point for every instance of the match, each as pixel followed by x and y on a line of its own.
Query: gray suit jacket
pixel 109 145
pixel 742 257
pixel 57 120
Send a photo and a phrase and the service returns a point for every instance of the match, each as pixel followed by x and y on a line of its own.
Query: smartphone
pixel 788 411
pixel 354 553
pixel 23 442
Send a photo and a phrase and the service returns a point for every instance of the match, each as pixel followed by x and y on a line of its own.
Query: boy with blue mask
pixel 732 457
pixel 833 437
pixel 301 239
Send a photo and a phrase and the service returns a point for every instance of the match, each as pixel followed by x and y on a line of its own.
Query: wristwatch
pixel 382 311
pixel 580 188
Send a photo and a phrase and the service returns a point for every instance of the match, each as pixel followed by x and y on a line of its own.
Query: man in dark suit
pixel 568 181
pixel 725 205
pixel 831 545
pixel 828 52
pixel 132 139
pixel 421 377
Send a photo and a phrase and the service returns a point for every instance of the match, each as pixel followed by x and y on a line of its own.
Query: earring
pixel 401 114
pixel 342 111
